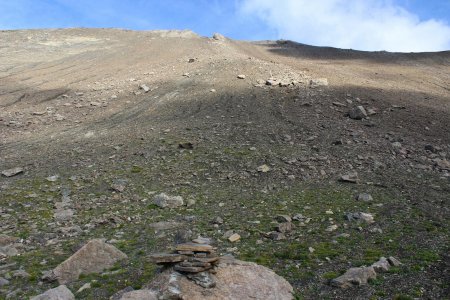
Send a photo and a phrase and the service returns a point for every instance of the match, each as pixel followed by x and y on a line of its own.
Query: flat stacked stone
pixel 191 258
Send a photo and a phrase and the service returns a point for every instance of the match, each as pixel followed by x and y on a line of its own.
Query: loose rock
pixel 12 172
pixel 355 276
pixel 162 200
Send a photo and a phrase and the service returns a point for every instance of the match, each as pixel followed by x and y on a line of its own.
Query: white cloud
pixel 357 24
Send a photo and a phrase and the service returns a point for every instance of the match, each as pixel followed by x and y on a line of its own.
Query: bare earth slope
pixel 71 106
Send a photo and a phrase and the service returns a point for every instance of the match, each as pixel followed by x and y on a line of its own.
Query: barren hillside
pixel 102 120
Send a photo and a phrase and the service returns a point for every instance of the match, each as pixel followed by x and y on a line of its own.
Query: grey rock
pixel 382 265
pixel 360 216
pixel 145 88
pixel 162 200
pixel 3 282
pixel 12 172
pixel 119 185
pixel 59 293
pixel 351 177
pixel 283 219
pixel 364 197
pixel 94 257
pixel 276 236
pixel 20 274
pixel 394 262
pixel 357 113
pixel 217 220
pixel 355 276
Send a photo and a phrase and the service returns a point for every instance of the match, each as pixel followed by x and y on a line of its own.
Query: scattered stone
pixel 354 276
pixel 283 219
pixel 140 295
pixel 364 197
pixel 234 237
pixel 119 185
pixel 190 202
pixel 442 164
pixel 357 113
pixel 360 216
pixel 145 88
pixel 20 274
pixel 351 177
pixel 52 178
pixel 162 200
pixel 284 227
pixel 94 257
pixel 191 60
pixel 12 172
pixel 263 169
pixel 276 236
pixel 318 82
pixel 432 148
pixel 331 228
pixel 382 265
pixel 394 262
pixel 186 145
pixel 217 220
pixel 59 293
pixel 272 82
pixel 396 145
pixel 241 76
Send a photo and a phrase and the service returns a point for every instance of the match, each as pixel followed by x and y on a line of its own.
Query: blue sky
pixel 395 25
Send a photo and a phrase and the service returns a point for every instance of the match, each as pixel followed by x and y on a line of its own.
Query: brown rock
pixel 166 258
pixel 94 257
pixel 194 247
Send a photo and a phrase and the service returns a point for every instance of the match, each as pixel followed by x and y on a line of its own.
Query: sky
pixel 372 25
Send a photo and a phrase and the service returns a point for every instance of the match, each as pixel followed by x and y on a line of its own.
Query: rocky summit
pixel 164 164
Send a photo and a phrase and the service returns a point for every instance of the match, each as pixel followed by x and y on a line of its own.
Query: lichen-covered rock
pixel 94 257
pixel 59 293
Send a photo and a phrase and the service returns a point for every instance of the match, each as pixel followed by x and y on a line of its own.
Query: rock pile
pixel 196 259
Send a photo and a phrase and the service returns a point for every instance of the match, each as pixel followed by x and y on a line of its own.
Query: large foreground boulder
pixel 234 279
pixel 59 293
pixel 94 257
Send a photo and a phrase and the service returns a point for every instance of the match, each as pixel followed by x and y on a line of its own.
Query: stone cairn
pixel 196 260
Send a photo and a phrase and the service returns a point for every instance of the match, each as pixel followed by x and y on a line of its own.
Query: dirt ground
pixel 73 106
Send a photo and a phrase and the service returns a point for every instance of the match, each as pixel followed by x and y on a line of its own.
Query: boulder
pixel 354 276
pixel 219 37
pixel 162 200
pixel 234 279
pixel 59 293
pixel 94 257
